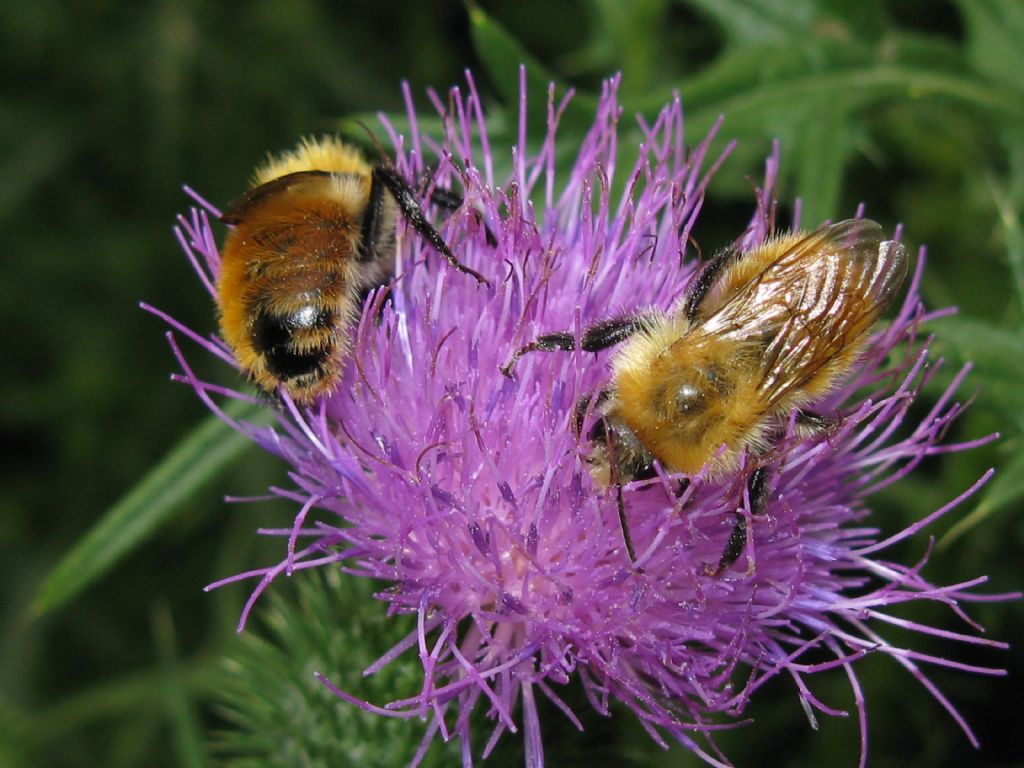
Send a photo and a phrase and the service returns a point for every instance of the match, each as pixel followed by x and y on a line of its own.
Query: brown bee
pixel 315 231
pixel 756 336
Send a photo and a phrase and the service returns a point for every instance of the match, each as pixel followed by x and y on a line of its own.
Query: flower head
pixel 470 492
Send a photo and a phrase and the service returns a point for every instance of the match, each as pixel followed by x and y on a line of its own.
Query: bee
pixel 314 233
pixel 756 336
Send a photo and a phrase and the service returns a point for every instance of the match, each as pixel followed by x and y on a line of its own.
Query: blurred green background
pixel 914 107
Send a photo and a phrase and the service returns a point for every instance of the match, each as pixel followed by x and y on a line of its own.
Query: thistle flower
pixel 469 493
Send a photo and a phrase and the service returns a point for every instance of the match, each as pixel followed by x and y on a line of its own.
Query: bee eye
pixel 689 399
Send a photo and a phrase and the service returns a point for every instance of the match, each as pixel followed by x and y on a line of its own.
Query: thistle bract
pixel 469 492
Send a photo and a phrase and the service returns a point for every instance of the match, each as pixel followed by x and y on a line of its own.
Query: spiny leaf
pixel 328 623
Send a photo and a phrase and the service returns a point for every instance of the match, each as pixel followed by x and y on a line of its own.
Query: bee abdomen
pixel 297 344
pixel 288 365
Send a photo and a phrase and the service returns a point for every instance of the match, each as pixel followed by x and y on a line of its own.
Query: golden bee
pixel 316 230
pixel 756 336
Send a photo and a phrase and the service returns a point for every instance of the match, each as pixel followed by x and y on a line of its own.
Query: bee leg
pixel 580 413
pixel 407 203
pixel 698 288
pixel 547 343
pixel 814 424
pixel 684 484
pixel 602 335
pixel 373 229
pixel 733 548
pixel 451 200
pixel 442 197
pixel 757 492
pixel 608 333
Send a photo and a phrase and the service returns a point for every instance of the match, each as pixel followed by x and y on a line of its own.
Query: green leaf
pixel 132 520
pixel 174 693
pixel 43 151
pixel 1005 489
pixel 129 696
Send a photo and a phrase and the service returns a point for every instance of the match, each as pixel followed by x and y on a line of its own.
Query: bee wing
pixel 814 302
pixel 238 209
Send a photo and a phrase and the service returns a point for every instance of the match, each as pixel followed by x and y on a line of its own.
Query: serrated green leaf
pixel 1008 206
pixel 503 56
pixel 998 357
pixel 760 20
pixel 1005 489
pixel 730 74
pixel 860 87
pixel 791 88
pixel 629 35
pixel 821 148
pixel 911 49
pixel 131 521
pixel 995 29
pixel 985 344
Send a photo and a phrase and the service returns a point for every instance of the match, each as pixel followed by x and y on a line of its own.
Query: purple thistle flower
pixel 469 493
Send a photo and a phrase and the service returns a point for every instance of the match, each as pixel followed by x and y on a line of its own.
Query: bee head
pixel 615 453
pixel 583 407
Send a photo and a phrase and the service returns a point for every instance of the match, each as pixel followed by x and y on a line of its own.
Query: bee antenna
pixel 771 213
pixel 373 140
pixel 691 240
